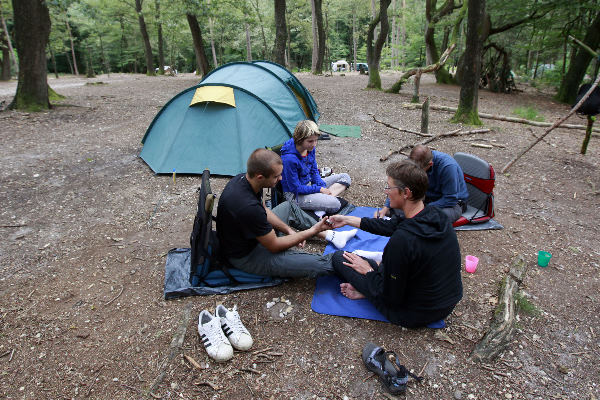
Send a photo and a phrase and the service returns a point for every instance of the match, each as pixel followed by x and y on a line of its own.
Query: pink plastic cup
pixel 471 264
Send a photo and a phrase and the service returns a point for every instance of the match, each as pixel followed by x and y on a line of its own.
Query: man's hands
pixel 357 263
pixel 323 225
pixel 337 221
pixel 324 190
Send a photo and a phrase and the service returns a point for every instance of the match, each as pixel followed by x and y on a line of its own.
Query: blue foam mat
pixel 327 298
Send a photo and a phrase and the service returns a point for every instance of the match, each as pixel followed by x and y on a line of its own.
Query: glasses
pixel 388 188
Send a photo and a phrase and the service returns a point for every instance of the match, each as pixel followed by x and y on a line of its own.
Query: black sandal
pixel 387 367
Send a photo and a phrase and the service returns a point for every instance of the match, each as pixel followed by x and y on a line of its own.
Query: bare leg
pixel 337 189
pixel 349 291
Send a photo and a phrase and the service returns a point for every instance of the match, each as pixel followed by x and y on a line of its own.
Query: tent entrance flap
pixel 217 94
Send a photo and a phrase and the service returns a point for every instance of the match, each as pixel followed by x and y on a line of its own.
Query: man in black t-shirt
pixel 246 228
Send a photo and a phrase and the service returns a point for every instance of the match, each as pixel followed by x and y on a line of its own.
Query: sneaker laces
pixel 214 333
pixel 236 322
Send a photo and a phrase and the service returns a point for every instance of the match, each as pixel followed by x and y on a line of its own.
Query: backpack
pixel 480 179
pixel 207 267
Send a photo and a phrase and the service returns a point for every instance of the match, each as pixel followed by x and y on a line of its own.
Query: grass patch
pixel 528 112
pixel 525 306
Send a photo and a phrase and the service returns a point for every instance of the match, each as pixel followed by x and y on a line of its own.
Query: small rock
pixel 457 394
pixel 115 379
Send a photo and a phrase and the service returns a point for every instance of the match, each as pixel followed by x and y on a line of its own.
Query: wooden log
pixel 415 97
pixel 175 346
pixel 425 116
pixel 500 333
pixel 456 132
pixel 557 123
pixel 400 129
pixel 588 133
pixel 413 106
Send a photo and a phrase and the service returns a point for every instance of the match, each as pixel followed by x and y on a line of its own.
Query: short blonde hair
pixel 305 129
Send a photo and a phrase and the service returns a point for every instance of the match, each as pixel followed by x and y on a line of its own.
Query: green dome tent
pixel 216 124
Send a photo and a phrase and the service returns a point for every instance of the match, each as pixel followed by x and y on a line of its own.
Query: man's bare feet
pixel 349 291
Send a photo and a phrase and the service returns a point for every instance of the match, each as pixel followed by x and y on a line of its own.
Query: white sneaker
pixel 234 329
pixel 212 337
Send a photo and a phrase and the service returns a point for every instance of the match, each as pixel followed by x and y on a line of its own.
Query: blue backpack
pixel 207 267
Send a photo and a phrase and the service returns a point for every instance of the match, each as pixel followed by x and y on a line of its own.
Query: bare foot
pixel 349 291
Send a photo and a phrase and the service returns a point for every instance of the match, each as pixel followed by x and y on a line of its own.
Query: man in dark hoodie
pixel 418 280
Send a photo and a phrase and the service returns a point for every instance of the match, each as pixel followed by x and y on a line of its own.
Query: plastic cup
pixel 544 258
pixel 471 264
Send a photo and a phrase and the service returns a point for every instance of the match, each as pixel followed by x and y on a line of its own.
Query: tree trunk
pixel 146 38
pixel 321 32
pixel 5 76
pixel 69 62
pixel 403 55
pixel 262 29
pixel 161 52
pixel 394 39
pixel 72 45
pixel 104 60
pixel 354 44
pixel 280 32
pixel 373 15
pixel 374 51
pixel 201 60
pixel 13 56
pixel 315 38
pixel 32 30
pixel 212 43
pixel 569 85
pixel 248 44
pixel 53 61
pixel 469 88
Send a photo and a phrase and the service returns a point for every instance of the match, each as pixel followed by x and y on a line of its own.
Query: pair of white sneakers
pixel 221 331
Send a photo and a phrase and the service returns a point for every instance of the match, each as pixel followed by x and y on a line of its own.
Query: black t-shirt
pixel 241 218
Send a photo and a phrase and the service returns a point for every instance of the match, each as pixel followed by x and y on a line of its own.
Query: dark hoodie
pixel 420 268
pixel 300 174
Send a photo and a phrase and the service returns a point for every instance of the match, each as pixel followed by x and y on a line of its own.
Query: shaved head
pixel 261 162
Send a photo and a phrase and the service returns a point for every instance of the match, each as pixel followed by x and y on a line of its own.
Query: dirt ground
pixel 86 225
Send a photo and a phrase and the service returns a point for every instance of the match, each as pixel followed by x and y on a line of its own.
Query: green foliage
pixel 528 112
pixel 525 306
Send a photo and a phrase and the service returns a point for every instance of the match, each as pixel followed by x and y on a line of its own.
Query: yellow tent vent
pixel 217 94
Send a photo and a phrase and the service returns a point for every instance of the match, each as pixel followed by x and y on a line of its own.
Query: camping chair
pixel 480 180
pixel 207 268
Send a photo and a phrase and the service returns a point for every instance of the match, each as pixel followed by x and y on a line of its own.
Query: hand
pixel 322 225
pixel 301 244
pixel 324 190
pixel 357 263
pixel 337 221
pixel 380 213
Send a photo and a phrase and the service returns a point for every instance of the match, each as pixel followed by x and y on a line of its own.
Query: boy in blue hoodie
pixel 301 180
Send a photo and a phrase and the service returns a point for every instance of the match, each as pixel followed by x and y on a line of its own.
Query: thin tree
pixel 318 52
pixel 280 32
pixel 374 50
pixel 433 16
pixel 161 52
pixel 469 89
pixel 32 30
pixel 76 70
pixel 201 59
pixel 581 60
pixel 10 48
pixel 145 37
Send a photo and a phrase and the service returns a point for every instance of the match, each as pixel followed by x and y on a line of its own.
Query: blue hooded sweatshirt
pixel 300 174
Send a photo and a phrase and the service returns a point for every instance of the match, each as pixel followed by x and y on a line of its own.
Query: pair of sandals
pixel 385 364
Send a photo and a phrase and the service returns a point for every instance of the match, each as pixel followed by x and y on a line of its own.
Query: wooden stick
pixel 87 394
pixel 557 123
pixel 498 117
pixel 456 132
pixel 13 226
pixel 117 296
pixel 175 346
pixel 194 363
pixel 401 129
pixel 207 383
pixel 483 146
